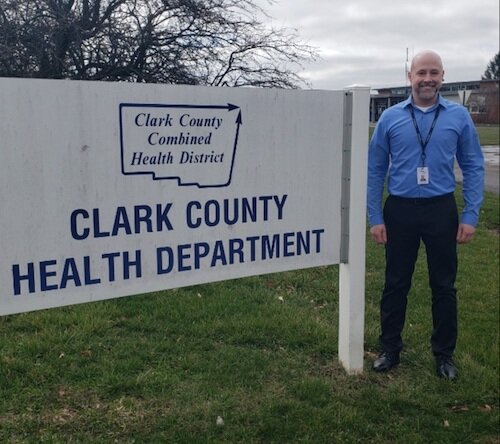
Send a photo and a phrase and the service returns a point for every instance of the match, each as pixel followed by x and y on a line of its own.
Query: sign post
pixel 352 266
pixel 116 189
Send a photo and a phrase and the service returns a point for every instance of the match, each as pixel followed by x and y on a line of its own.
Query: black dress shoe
pixel 446 368
pixel 385 361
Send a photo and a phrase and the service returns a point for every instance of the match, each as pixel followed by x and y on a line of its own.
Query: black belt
pixel 422 200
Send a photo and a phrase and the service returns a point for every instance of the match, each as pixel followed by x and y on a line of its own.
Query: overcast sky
pixel 365 41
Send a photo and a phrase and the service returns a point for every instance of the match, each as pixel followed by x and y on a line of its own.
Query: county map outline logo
pixel 193 144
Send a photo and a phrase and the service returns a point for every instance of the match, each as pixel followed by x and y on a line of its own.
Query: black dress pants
pixel 435 222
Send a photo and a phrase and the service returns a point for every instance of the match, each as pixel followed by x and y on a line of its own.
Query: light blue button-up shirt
pixel 395 152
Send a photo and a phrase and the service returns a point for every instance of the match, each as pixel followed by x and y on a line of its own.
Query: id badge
pixel 423 175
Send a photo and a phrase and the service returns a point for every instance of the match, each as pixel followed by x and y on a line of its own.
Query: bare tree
pixel 210 42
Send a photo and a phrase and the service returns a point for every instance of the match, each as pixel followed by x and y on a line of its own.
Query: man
pixel 414 144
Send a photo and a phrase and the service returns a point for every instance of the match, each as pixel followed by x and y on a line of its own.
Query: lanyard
pixel 419 134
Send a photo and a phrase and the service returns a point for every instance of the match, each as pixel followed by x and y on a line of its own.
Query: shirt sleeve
pixel 471 161
pixel 378 163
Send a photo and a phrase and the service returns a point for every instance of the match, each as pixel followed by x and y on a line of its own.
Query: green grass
pixel 489 134
pixel 259 352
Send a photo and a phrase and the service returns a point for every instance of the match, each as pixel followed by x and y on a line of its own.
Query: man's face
pixel 426 77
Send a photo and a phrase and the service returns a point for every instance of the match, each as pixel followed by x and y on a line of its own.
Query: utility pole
pixel 406 72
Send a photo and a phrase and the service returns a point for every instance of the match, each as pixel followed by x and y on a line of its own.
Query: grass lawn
pixel 489 134
pixel 252 360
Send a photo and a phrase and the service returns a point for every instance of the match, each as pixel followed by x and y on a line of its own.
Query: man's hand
pixel 465 233
pixel 379 234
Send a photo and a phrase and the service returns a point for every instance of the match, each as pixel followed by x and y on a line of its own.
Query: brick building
pixel 481 97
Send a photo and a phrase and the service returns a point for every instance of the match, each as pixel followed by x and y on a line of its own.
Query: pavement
pixel 491 169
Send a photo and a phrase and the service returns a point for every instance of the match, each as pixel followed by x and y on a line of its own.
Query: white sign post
pixel 352 266
pixel 115 189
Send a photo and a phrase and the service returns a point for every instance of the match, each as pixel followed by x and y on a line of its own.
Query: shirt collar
pixel 440 102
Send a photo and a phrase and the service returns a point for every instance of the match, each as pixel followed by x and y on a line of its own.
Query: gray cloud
pixel 365 41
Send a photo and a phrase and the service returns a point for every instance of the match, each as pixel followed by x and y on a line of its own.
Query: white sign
pixel 464 95
pixel 114 189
